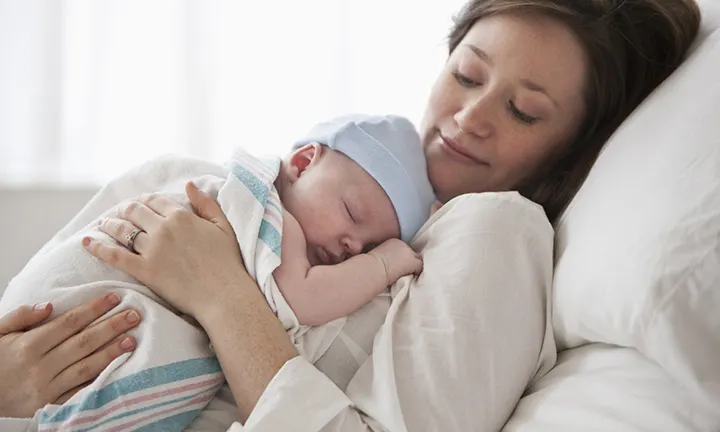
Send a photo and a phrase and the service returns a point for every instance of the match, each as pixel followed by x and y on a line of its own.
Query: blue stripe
pixel 142 380
pixel 252 182
pixel 148 408
pixel 270 235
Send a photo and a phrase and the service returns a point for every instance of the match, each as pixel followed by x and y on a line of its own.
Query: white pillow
pixel 600 388
pixel 638 250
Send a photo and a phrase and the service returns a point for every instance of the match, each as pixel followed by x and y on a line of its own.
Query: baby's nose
pixel 352 247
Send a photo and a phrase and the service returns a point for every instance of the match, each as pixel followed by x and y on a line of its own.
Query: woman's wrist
pixel 248 339
pixel 224 290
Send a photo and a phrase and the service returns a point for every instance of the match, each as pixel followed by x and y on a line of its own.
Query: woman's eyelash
pixel 525 118
pixel 464 81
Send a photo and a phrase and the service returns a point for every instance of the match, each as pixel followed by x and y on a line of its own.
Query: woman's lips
pixel 454 150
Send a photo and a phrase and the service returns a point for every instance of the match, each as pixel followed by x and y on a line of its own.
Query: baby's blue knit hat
pixel 390 150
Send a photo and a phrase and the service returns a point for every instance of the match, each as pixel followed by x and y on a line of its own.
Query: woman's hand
pixel 50 362
pixel 192 262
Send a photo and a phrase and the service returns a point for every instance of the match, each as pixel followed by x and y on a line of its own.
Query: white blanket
pixel 173 374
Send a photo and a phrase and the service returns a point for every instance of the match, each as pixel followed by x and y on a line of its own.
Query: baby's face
pixel 342 210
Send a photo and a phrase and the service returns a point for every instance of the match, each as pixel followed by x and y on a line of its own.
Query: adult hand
pixel 194 263
pixel 50 362
pixel 190 261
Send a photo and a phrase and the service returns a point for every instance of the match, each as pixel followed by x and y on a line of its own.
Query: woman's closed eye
pixel 521 116
pixel 465 81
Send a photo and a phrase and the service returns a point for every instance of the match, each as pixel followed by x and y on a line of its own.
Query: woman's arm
pixel 249 341
pixel 459 345
pixel 457 349
pixel 195 264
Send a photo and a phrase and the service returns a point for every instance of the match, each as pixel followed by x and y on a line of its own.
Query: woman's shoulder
pixel 501 201
pixel 495 211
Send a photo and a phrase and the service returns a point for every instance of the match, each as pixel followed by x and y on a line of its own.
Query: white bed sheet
pixel 600 387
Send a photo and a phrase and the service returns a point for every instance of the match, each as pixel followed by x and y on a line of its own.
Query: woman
pixel 530 92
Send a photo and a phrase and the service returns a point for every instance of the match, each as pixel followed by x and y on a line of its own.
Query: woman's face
pixel 510 95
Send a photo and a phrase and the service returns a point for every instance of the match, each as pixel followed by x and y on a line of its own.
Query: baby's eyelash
pixel 349 212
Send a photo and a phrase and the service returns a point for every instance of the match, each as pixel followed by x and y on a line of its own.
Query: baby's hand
pixel 398 259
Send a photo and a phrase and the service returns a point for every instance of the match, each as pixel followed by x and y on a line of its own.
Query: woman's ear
pixel 303 158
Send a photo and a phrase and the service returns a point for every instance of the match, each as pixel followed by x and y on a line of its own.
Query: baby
pixel 350 191
pixel 323 231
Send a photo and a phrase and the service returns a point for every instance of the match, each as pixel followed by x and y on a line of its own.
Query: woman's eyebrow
pixel 480 53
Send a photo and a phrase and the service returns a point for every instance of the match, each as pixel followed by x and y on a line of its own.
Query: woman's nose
pixel 475 117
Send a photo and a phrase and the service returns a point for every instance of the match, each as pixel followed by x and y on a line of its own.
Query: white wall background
pixel 28 219
pixel 89 88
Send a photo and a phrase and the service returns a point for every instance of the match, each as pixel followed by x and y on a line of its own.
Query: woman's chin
pixel 445 178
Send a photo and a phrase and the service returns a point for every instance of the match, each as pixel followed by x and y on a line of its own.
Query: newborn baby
pixel 350 191
pixel 322 231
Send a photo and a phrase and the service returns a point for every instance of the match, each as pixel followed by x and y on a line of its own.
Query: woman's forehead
pixel 530 47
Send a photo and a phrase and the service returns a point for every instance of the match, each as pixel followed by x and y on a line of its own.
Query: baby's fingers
pixel 418 264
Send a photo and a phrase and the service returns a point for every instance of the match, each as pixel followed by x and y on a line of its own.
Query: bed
pixel 636 301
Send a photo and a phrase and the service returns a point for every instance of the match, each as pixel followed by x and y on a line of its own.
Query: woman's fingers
pixel 148 211
pixel 68 394
pixel 120 230
pixel 116 256
pixel 24 317
pixel 56 331
pixel 140 215
pixel 160 204
pixel 208 208
pixel 80 373
pixel 91 339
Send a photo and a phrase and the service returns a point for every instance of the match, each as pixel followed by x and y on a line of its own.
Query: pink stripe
pixel 201 400
pixel 127 403
pixel 272 219
pixel 272 204
pixel 272 215
pixel 256 166
pixel 275 199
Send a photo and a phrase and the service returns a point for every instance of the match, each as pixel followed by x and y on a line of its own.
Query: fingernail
pixel 113 299
pixel 126 344
pixel 132 317
pixel 41 306
pixel 86 241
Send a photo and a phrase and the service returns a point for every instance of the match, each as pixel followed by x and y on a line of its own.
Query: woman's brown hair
pixel 631 47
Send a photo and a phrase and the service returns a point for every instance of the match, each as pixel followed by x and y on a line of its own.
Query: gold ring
pixel 130 239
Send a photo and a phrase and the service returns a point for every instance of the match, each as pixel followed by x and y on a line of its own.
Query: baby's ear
pixel 303 158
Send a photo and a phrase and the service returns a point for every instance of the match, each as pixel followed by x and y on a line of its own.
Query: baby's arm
pixel 323 293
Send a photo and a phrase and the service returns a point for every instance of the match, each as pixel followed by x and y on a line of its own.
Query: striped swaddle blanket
pixel 172 374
